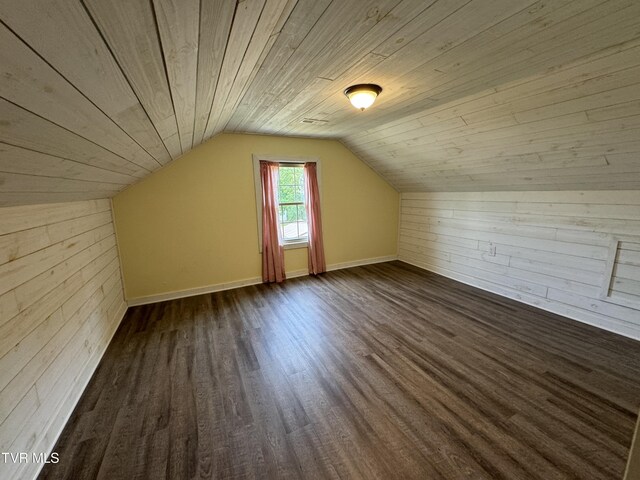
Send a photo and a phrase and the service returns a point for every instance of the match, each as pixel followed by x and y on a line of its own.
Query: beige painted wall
pixel 193 224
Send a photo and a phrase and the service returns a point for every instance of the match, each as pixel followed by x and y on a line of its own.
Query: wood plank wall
pixel 548 249
pixel 61 299
pixel 624 283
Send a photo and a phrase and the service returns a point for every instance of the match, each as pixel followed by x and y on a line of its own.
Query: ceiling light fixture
pixel 363 95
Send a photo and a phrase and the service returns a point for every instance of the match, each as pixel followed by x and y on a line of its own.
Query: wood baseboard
pixel 248 281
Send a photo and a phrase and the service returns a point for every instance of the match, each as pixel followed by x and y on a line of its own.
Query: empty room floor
pixel 377 372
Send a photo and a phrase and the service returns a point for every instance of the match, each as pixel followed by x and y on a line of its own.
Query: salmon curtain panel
pixel 272 251
pixel 312 204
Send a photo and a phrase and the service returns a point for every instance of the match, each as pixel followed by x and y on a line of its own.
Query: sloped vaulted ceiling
pixel 478 95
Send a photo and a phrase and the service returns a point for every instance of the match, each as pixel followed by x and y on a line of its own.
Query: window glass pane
pixel 287 175
pixel 287 194
pixel 303 229
pixel 289 213
pixel 302 213
pixel 290 230
pixel 302 221
pixel 293 218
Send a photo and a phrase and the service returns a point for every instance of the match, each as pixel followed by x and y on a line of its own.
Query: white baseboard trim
pixel 604 323
pixel 303 272
pixel 163 297
pixel 359 263
pixel 191 292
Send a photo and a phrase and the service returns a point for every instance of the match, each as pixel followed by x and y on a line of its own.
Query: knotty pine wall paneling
pixel 547 249
pixel 61 300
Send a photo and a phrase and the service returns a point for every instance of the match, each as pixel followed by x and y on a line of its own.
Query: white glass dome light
pixel 363 95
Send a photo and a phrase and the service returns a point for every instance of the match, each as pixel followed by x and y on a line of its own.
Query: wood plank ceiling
pixel 478 95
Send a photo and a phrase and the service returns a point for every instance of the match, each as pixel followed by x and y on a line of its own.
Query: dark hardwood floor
pixel 376 372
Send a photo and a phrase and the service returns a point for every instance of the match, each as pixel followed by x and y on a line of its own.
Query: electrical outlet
pixel 492 250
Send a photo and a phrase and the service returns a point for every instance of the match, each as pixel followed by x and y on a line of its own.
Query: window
pixel 293 214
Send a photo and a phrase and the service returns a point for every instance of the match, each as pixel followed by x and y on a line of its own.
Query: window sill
pixel 293 245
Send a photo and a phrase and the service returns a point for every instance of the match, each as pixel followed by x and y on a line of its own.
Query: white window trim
pixel 258 187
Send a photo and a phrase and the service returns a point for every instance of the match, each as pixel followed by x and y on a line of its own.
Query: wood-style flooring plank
pixel 377 372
